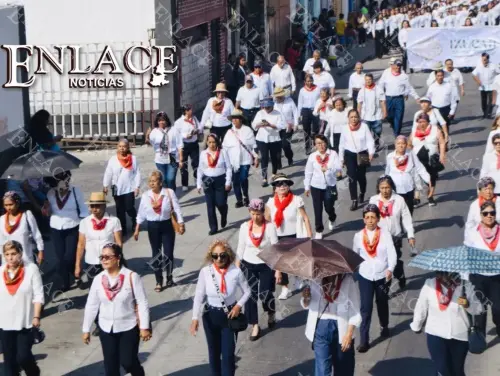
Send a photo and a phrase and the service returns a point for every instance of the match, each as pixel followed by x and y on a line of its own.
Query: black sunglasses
pixel 492 213
pixel 221 256
pixel 496 143
pixel 282 184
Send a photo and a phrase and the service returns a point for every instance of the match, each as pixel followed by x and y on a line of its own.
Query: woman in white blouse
pixel 254 236
pixel 428 144
pixel 123 175
pixel 486 236
pixel 393 212
pixel 403 39
pixel 156 209
pixel 240 144
pixel 374 244
pixel 217 110
pixel 495 129
pixel 21 299
pixel 66 207
pixel 334 314
pixel 491 163
pixel 379 32
pixel 356 150
pixel 168 145
pixel 214 176
pixel 308 96
pixel 321 183
pixel 20 226
pixel 219 282
pixel 485 192
pixel 322 109
pixel 405 168
pixel 443 308
pixel 337 119
pixel 288 214
pixel 118 300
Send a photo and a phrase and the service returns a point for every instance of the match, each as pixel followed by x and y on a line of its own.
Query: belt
pixel 212 308
pixel 251 109
pixel 394 96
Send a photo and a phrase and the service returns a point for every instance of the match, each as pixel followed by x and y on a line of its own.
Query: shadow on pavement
pixel 406 365
pixel 170 309
pixel 399 328
pixel 305 368
pixel 295 320
pixel 97 369
pixel 203 369
pixel 439 222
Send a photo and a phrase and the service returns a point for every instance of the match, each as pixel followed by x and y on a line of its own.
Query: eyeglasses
pixel 496 143
pixel 106 257
pixel 221 256
pixel 491 213
pixel 282 184
pixel 95 206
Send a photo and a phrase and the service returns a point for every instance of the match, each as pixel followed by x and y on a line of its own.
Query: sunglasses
pixel 496 143
pixel 95 206
pixel 492 213
pixel 282 184
pixel 106 257
pixel 221 256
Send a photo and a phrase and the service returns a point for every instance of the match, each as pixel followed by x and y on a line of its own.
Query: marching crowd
pixel 252 124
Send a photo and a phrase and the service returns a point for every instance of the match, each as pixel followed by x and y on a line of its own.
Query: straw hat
pixel 97 198
pixel 221 86
pixel 281 177
pixel 279 92
pixel 438 66
pixel 237 114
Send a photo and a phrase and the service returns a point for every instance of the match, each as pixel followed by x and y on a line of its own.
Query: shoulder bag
pixel 244 147
pixel 477 340
pixel 77 205
pixel 237 324
pixel 363 158
pixel 136 307
pixel 173 215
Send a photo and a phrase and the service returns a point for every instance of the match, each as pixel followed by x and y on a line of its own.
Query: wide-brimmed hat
pixel 97 198
pixel 237 114
pixel 280 178
pixel 279 92
pixel 221 87
pixel 438 66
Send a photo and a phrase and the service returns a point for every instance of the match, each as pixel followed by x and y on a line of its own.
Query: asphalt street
pixel 285 350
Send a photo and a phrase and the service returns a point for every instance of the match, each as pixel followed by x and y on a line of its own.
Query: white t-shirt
pixel 289 225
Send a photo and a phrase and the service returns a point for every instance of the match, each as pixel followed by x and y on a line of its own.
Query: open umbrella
pixel 42 163
pixel 460 259
pixel 310 258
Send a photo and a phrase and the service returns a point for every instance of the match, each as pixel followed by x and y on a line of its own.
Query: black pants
pixel 190 150
pixel 445 113
pixel 409 197
pixel 125 204
pixel 356 174
pixel 379 43
pixel 240 182
pixel 121 349
pixel 284 276
pixel 399 272
pixel 310 123
pixel 361 36
pixel 405 60
pixel 486 102
pixel 65 244
pixel 215 197
pixel 336 142
pixel 220 131
pixel 250 114
pixel 260 277
pixel 355 93
pixel 488 292
pixel 286 144
pixel 17 354
pixel 323 198
pixel 381 291
pixel 269 149
pixel 161 236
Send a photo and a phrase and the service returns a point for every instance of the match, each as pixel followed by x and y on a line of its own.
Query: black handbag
pixel 236 324
pixel 436 164
pixel 363 158
pixel 477 340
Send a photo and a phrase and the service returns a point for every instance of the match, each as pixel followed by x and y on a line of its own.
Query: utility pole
pixel 165 22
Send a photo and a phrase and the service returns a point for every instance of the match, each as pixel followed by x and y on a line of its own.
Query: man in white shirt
pixel 444 97
pixel 323 79
pixel 308 66
pixel 356 83
pixel 282 75
pixel 248 98
pixel 484 75
pixel 262 80
pixel 288 109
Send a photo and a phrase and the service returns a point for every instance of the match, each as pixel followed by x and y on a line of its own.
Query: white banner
pixel 464 45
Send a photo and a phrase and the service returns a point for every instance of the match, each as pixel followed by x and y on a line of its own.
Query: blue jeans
pixel 448 355
pixel 328 352
pixel 395 113
pixel 169 172
pixel 376 127
pixel 215 197
pixel 240 182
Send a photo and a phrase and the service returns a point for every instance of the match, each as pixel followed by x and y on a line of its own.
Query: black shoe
pixel 416 201
pixel 271 321
pixel 246 201
pixel 361 198
pixel 212 232
pixel 239 204
pixel 256 337
pixel 363 348
pixel 290 162
pixel 384 332
pixel 265 184
pixel 223 222
pixel 431 201
pixel 402 283
pixel 354 205
pixel 498 331
pixel 96 331
pixel 170 283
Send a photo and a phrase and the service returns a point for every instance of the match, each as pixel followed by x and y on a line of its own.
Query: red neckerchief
pixel 355 128
pixel 222 273
pixel 280 208
pixel 491 240
pixel 157 204
pixel 394 73
pixel 323 109
pixel 444 300
pixel 371 248
pixel 13 284
pixel 126 161
pixel 370 87
pixel 312 88
pixel 423 134
pixel 11 228
pixel 326 289
pixel 99 226
pixel 482 200
pixel 401 164
pixel 190 121
pixel 212 162
pixel 323 162
pixel 258 74
pixel 62 203
pixel 256 241
pixel 111 292
pixel 385 209
pixel 218 106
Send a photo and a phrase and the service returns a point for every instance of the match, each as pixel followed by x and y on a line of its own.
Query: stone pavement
pixel 285 350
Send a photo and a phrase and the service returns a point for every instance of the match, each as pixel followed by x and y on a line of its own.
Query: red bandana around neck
pixel 256 240
pixel 385 208
pixel 423 134
pixel 401 162
pixel 218 107
pixel 371 248
pixel 112 291
pixel 312 88
pixel 62 203
pixel 157 204
pixel 98 226
pixel 222 272
pixel 370 87
pixel 13 284
pixel 482 200
pixel 212 161
pixel 279 217
pixel 11 228
pixel 395 73
pixel 444 300
pixel 125 161
pixel 355 128
pixel 490 236
pixel 323 103
pixel 327 289
pixel 323 162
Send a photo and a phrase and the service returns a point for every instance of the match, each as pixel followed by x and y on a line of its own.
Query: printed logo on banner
pixel 90 76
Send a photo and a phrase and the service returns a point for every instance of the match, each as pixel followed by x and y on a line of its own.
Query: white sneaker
pixel 185 189
pixel 319 236
pixel 331 225
pixel 285 293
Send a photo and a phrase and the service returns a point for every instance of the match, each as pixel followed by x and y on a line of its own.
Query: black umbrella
pixel 14 139
pixel 38 164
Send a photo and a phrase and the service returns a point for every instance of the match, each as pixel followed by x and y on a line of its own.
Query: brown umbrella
pixel 310 258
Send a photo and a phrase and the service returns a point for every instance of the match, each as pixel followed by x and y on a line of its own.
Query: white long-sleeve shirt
pixel 308 98
pixel 223 167
pixel 96 239
pixel 321 111
pixel 205 288
pixel 356 141
pixel 489 168
pixel 263 83
pixel 218 120
pixel 396 85
pixel 336 121
pixel 249 98
pixel 147 213
pixel 374 268
pixel 240 155
pixel 490 148
pixel 451 323
pixel 370 100
pixel 175 142
pixel 268 134
pixel 474 216
pixel 435 118
pixel 26 232
pixel 400 214
pixel 67 217
pixel 473 238
pixel 403 37
pixel 125 180
pixel 324 80
pixel 283 77
pixel 308 66
pixel 486 75
pixel 442 95
pixel 356 81
pixel 118 314
pixel 289 111
pixel 405 180
pixel 315 177
pixel 18 310
pixel 246 249
pixel 185 128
